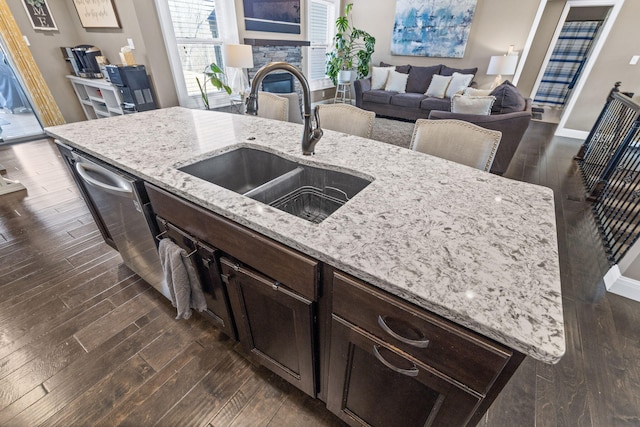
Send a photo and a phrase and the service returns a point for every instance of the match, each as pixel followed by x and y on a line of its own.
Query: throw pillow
pixel 458 83
pixel 397 82
pixel 379 77
pixel 399 68
pixel 472 104
pixel 446 71
pixel 438 86
pixel 470 91
pixel 508 99
pixel 420 78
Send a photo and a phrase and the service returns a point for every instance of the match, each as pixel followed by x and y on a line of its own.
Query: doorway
pixel 566 58
pixel 553 14
pixel 18 121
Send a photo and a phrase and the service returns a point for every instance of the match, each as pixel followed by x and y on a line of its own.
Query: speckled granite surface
pixel 476 248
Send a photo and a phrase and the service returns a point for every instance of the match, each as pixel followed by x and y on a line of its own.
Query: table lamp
pixel 239 57
pixel 502 64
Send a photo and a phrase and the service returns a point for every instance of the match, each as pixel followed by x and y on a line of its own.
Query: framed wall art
pixel 277 16
pixel 97 13
pixel 39 14
pixel 435 28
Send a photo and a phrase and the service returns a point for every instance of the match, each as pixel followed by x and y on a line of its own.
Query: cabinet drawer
pixel 456 352
pixel 285 265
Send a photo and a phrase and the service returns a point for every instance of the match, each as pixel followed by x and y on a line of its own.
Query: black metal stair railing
pixel 610 164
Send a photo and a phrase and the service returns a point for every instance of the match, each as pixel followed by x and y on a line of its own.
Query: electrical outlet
pixel 634 59
pixel 130 42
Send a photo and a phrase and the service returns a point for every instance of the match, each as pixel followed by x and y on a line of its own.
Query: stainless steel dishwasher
pixel 121 203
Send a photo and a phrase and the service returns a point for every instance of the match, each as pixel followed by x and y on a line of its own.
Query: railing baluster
pixel 610 164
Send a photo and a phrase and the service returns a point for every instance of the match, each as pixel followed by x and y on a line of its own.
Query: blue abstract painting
pixel 436 28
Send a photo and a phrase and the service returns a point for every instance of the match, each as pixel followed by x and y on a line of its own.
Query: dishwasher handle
pixel 124 188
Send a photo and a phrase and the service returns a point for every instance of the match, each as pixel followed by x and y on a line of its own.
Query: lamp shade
pixel 237 55
pixel 502 64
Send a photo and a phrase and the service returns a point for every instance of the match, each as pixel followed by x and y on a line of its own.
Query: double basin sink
pixel 305 191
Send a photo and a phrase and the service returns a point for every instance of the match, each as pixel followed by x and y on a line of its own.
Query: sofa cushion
pixel 410 100
pixel 438 86
pixel 472 104
pixel 508 99
pixel 420 78
pixel 443 104
pixel 379 76
pixel 447 71
pixel 377 96
pixel 397 82
pixel 458 83
pixel 404 69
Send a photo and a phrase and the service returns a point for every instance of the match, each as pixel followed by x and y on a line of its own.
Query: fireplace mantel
pixel 266 42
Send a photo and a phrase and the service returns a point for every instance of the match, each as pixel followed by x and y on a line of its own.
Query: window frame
pixel 324 83
pixel 228 34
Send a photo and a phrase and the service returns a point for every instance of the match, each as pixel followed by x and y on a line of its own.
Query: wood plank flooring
pixel 84 341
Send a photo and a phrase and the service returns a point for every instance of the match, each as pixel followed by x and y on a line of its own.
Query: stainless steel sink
pixel 240 170
pixel 305 191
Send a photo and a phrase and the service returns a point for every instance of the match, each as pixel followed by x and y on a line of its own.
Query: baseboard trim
pixel 572 133
pixel 617 284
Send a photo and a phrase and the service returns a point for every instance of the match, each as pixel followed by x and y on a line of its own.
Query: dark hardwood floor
pixel 84 341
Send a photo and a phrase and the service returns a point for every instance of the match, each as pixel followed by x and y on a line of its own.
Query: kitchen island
pixel 476 249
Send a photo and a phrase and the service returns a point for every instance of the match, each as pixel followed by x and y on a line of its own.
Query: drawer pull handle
pixel 413 372
pixel 415 343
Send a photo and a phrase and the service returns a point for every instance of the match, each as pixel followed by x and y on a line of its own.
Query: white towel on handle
pixel 181 278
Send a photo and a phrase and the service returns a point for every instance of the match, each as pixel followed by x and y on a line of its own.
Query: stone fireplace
pixel 265 51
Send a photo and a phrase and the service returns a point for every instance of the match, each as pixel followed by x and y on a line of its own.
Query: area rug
pixel 392 131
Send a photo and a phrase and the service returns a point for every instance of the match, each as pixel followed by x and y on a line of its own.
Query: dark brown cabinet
pixel 372 383
pixel 275 325
pixel 393 364
pixel 272 289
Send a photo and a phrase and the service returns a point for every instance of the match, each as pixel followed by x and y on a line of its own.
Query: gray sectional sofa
pixel 413 104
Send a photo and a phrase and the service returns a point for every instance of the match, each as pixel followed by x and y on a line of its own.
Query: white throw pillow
pixel 458 83
pixel 471 91
pixel 472 104
pixel 397 82
pixel 379 76
pixel 438 86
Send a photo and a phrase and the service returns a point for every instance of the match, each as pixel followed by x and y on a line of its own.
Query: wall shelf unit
pixel 98 97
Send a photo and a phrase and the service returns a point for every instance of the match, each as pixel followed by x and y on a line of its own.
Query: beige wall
pixel 612 65
pixel 496 25
pixel 145 32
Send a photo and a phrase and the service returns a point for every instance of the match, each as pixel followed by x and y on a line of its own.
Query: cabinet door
pixel 274 324
pixel 371 383
pixel 205 259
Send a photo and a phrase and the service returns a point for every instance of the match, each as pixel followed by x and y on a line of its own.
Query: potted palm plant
pixel 352 50
pixel 216 76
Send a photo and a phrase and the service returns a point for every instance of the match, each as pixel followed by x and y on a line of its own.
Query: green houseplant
pixel 352 48
pixel 216 76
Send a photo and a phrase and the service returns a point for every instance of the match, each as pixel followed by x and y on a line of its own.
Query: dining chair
pixel 346 118
pixel 295 114
pixel 456 140
pixel 272 106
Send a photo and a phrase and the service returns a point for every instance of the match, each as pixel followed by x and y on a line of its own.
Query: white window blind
pixel 320 28
pixel 193 31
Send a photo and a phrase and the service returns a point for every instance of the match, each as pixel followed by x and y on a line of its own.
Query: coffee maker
pixel 134 86
pixel 83 60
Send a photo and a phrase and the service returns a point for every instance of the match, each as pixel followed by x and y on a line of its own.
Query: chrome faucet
pixel 310 135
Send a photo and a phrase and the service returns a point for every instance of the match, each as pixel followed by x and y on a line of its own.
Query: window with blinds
pixel 321 30
pixel 197 36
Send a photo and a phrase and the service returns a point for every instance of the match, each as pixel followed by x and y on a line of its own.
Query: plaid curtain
pixel 567 60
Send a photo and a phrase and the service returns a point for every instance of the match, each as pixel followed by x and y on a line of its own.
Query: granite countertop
pixel 475 248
